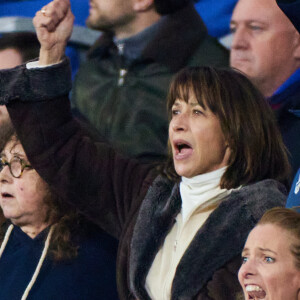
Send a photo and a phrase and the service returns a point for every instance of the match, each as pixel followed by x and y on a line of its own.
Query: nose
pixel 247 269
pixel 5 176
pixel 240 39
pixel 179 122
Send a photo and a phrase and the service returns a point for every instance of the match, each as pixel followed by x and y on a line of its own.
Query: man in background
pixel 266 47
pixel 121 88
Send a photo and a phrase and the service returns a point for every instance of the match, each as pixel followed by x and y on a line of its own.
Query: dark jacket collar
pixel 290 99
pixel 166 48
pixel 229 226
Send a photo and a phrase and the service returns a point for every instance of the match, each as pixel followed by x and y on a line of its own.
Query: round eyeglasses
pixel 16 166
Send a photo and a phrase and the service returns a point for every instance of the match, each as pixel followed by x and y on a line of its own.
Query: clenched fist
pixel 53 25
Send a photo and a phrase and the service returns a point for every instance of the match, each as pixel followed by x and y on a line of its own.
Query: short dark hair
pixel 25 43
pixel 288 220
pixel 247 122
pixel 164 7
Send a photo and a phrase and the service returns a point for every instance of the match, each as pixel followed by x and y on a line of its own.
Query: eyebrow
pixel 176 103
pixel 15 152
pixel 234 22
pixel 194 104
pixel 260 249
pixel 245 250
pixel 18 154
pixel 268 250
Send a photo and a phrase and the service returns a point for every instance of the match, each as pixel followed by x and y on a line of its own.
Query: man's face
pixel 110 15
pixel 265 44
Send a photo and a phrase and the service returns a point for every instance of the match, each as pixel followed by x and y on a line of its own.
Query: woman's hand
pixel 53 25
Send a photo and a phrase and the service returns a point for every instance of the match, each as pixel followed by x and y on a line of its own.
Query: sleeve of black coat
pixel 89 175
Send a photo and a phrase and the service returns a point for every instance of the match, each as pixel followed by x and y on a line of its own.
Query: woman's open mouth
pixel 255 292
pixel 5 195
pixel 182 150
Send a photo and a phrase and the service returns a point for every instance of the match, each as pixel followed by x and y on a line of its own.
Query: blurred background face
pixel 264 44
pixel 109 15
pixel 268 271
pixel 197 141
pixel 22 199
pixel 9 58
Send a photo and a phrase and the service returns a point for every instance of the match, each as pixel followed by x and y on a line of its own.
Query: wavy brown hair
pixel 247 122
pixel 69 223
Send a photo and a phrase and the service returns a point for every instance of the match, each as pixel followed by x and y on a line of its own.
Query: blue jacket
pixel 288 118
pixel 294 195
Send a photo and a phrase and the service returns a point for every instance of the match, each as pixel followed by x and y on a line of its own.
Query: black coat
pixel 288 118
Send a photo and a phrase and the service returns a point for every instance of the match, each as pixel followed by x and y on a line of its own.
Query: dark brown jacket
pixel 128 199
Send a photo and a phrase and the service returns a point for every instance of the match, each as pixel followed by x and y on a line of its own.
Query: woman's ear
pixel 227 154
pixel 142 5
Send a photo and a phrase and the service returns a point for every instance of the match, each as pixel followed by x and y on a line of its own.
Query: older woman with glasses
pixel 48 250
pixel 16 165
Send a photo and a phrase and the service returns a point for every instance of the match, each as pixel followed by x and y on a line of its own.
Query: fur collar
pixel 223 234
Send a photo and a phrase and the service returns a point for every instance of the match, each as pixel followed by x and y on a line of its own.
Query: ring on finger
pixel 43 11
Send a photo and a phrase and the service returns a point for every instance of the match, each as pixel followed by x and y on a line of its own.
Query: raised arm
pixel 87 174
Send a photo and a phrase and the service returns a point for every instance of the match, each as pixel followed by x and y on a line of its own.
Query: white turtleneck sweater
pixel 200 196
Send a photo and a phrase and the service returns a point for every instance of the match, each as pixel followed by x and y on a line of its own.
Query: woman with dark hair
pixel 271 257
pixel 180 232
pixel 48 249
pixel 246 122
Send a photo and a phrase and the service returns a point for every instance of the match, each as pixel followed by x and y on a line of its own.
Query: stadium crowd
pixel 168 169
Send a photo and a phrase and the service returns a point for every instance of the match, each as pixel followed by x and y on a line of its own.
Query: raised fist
pixel 53 25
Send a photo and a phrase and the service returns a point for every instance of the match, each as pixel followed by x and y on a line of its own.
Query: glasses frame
pixel 23 164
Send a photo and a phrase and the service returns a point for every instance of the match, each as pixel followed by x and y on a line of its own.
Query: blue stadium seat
pixel 216 15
